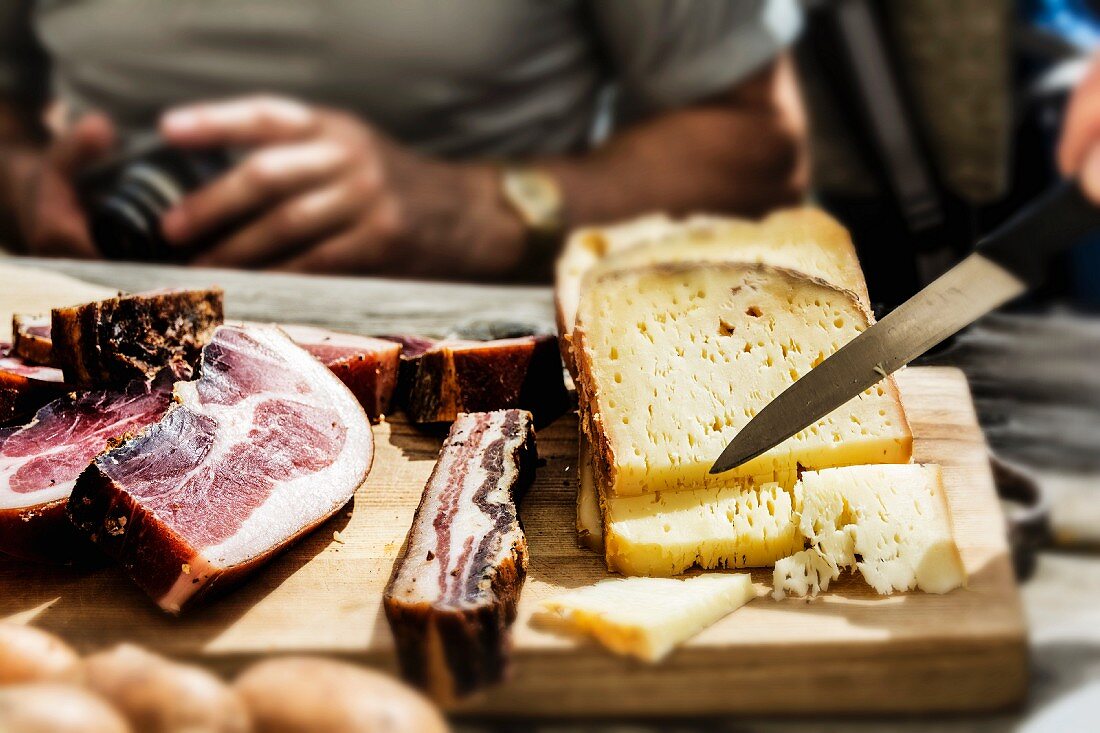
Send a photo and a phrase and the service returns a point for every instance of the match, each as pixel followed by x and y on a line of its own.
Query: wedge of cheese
pixel 734 526
pixel 891 523
pixel 804 239
pixel 648 617
pixel 673 360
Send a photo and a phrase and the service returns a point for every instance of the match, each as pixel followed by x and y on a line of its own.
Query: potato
pixel 53 707
pixel 157 695
pixel 28 654
pixel 313 695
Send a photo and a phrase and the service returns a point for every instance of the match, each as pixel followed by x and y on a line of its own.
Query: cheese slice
pixel 891 523
pixel 673 360
pixel 589 514
pixel 804 239
pixel 710 528
pixel 648 617
pixel 734 526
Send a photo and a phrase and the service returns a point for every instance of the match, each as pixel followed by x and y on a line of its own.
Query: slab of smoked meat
pixel 368 366
pixel 264 446
pixel 25 387
pixel 31 339
pixel 131 337
pixel 440 379
pixel 453 593
pixel 40 462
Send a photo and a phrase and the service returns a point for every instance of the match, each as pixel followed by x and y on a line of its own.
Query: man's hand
pixel 322 191
pixel 38 189
pixel 1079 149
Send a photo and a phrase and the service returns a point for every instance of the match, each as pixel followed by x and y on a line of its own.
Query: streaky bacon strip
pixel 453 593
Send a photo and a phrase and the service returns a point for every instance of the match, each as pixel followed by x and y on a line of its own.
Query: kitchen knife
pixel 1003 265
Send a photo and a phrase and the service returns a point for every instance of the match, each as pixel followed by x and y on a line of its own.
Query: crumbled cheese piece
pixel 337 537
pixel 889 522
pixel 647 617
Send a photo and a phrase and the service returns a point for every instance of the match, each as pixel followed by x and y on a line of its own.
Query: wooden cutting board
pixel 848 651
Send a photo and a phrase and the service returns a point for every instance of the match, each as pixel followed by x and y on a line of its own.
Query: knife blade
pixel 1004 265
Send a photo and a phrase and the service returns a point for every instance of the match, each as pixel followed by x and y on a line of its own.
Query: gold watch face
pixel 536 198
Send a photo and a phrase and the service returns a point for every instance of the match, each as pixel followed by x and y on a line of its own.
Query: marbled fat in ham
pixel 453 593
pixel 40 462
pixel 263 447
pixel 368 366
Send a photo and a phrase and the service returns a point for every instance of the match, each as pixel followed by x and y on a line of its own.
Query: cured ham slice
pixel 368 366
pixel 440 379
pixel 25 387
pixel 31 339
pixel 132 337
pixel 453 593
pixel 265 445
pixel 40 462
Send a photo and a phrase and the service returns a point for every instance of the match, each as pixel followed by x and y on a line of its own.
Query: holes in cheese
pixel 648 617
pixel 803 239
pixel 889 522
pixel 735 526
pixel 685 389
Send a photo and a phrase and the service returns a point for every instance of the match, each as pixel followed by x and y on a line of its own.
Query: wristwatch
pixel 536 198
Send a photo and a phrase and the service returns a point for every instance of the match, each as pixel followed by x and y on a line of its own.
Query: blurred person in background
pixel 420 138
pixel 1079 146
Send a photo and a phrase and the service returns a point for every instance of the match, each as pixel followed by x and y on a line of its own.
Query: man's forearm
pixel 743 153
pixel 18 145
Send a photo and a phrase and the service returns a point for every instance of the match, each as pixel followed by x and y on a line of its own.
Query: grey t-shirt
pixel 470 78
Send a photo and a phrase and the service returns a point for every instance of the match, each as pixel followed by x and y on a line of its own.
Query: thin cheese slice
pixel 737 526
pixel 589 515
pixel 648 617
pixel 891 523
pixel 804 239
pixel 674 360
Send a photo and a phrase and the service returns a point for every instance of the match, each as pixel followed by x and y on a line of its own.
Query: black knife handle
pixel 1052 223
pixel 1025 244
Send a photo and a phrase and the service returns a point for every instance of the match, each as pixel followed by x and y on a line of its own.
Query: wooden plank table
pixel 964 649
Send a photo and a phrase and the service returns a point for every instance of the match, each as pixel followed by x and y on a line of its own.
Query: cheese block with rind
pixel 805 239
pixel 674 360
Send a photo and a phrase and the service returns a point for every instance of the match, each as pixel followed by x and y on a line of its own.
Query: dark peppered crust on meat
pixel 31 339
pixel 131 337
pixel 42 533
pixel 441 379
